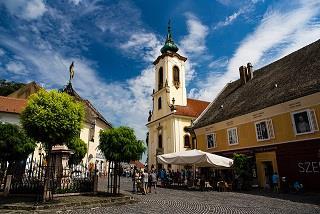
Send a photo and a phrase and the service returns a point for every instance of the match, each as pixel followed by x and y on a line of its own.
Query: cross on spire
pixel 169 44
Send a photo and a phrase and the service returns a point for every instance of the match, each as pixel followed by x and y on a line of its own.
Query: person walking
pixel 153 181
pixel 149 181
pixel 134 181
pixel 145 181
pixel 275 182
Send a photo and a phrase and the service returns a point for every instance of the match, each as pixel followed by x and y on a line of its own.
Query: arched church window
pixel 176 76
pixel 160 82
pixel 159 103
pixel 160 141
pixel 186 141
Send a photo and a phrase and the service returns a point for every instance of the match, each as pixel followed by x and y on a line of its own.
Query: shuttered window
pixel 264 130
pixel 304 121
pixel 233 136
pixel 314 122
pixel 211 140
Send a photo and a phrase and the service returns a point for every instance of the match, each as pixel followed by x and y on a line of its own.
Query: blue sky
pixel 114 43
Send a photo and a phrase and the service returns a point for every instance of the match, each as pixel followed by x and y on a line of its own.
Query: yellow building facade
pixel 278 129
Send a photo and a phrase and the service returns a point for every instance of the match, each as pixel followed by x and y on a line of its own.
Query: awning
pixel 197 158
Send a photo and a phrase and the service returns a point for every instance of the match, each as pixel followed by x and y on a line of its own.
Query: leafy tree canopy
pixel 8 87
pixel 52 117
pixel 14 143
pixel 120 144
pixel 79 147
pixel 240 163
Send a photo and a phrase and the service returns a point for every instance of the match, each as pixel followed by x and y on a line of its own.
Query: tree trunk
pixel 115 176
pixel 47 191
pixel 10 168
pixel 3 170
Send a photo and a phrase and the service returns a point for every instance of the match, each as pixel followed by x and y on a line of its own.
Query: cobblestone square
pixel 182 201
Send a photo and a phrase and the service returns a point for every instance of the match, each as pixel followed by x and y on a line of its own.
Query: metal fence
pixel 29 179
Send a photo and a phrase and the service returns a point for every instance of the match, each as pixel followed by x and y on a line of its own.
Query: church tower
pixel 170 86
pixel 172 112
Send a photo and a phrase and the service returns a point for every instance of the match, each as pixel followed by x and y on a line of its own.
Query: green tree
pixel 79 148
pixel 120 145
pixel 52 118
pixel 15 146
pixel 242 167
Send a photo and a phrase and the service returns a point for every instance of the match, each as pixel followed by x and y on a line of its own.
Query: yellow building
pixel 271 115
pixel 172 110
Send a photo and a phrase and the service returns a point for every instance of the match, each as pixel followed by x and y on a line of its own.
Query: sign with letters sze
pixel 309 167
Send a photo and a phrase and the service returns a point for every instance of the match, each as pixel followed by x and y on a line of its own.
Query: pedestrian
pixel 275 182
pixel 162 176
pixel 134 181
pixel 149 181
pixel 154 181
pixel 145 181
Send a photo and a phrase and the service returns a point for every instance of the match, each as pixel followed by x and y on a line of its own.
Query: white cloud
pixel 2 53
pixel 221 62
pixel 194 42
pixel 145 45
pixel 16 68
pixel 230 19
pixel 76 2
pixel 125 103
pixel 236 3
pixel 26 9
pixel 280 32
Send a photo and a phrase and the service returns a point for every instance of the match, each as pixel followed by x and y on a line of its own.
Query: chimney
pixel 243 74
pixel 249 71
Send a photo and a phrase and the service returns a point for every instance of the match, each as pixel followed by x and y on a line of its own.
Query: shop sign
pixel 309 167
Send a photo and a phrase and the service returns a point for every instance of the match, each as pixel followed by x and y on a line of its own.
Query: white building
pixel 172 111
pixel 12 105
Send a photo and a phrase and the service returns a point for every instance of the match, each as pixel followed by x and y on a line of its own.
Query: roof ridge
pixel 198 100
pixel 290 77
pixel 286 56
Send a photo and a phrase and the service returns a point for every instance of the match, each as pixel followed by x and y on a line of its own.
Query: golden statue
pixel 71 71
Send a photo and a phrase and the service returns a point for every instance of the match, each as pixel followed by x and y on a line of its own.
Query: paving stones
pixel 181 201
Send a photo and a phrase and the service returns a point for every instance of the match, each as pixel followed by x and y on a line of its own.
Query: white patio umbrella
pixel 196 158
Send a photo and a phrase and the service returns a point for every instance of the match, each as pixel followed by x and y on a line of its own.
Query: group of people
pixel 143 181
pixel 296 187
pixel 169 176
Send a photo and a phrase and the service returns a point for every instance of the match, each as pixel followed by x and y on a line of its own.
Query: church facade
pixel 172 111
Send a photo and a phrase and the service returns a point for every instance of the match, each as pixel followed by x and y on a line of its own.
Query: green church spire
pixel 169 45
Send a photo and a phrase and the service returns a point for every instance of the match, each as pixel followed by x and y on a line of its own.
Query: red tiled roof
pixel 138 164
pixel 193 108
pixel 12 105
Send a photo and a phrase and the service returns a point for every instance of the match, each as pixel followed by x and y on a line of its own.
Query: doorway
pixel 266 164
pixel 268 172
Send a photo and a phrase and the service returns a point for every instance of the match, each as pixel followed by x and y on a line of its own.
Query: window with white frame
pixel 264 130
pixel 305 121
pixel 211 140
pixel 232 136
